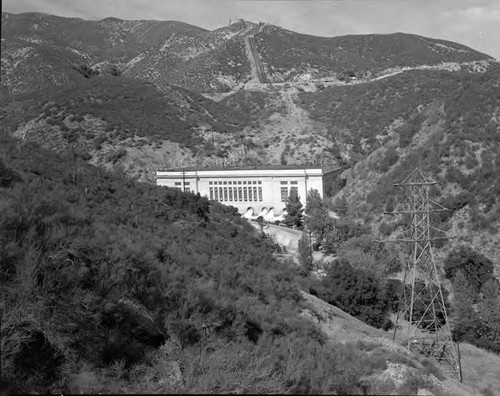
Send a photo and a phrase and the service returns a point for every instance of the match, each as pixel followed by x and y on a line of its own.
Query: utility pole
pixel 422 323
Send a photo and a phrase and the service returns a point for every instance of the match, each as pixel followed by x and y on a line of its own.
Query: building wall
pixel 268 188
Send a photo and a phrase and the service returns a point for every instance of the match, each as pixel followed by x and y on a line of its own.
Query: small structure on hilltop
pixel 254 191
pixel 236 21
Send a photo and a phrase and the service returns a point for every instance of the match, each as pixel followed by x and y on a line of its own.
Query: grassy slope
pixel 480 368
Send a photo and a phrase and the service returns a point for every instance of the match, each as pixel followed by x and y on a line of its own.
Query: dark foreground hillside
pixel 113 286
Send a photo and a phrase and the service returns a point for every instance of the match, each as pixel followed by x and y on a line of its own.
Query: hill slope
pixel 102 115
pixel 115 286
pixel 455 137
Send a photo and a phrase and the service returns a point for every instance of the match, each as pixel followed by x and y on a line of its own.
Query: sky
pixel 475 23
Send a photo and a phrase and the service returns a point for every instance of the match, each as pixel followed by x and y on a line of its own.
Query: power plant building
pixel 253 191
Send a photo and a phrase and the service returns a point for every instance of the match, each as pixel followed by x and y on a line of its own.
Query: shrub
pixel 478 324
pixel 343 230
pixel 390 158
pixel 115 71
pixel 51 121
pixel 116 154
pixel 387 325
pixel 355 292
pixel 365 253
pixel 98 141
pixel 454 203
pixel 70 136
pixel 86 71
pixel 385 228
pixel 7 176
pixel 477 268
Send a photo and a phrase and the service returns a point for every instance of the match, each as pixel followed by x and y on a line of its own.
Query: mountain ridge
pixel 172 52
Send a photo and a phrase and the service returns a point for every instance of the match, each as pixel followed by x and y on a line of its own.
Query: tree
pixel 260 222
pixel 490 289
pixel 478 324
pixel 343 230
pixel 371 256
pixel 463 292
pixel 463 301
pixel 314 202
pixel 476 267
pixel 389 205
pixel 489 311
pixel 356 292
pixel 294 209
pixel 317 217
pixel 465 318
pixel 305 251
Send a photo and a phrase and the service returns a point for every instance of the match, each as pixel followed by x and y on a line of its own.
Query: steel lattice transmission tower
pixel 422 323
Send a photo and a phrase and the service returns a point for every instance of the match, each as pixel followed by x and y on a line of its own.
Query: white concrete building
pixel 254 191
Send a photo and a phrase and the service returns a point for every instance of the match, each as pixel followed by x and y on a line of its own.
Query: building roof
pixel 260 167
